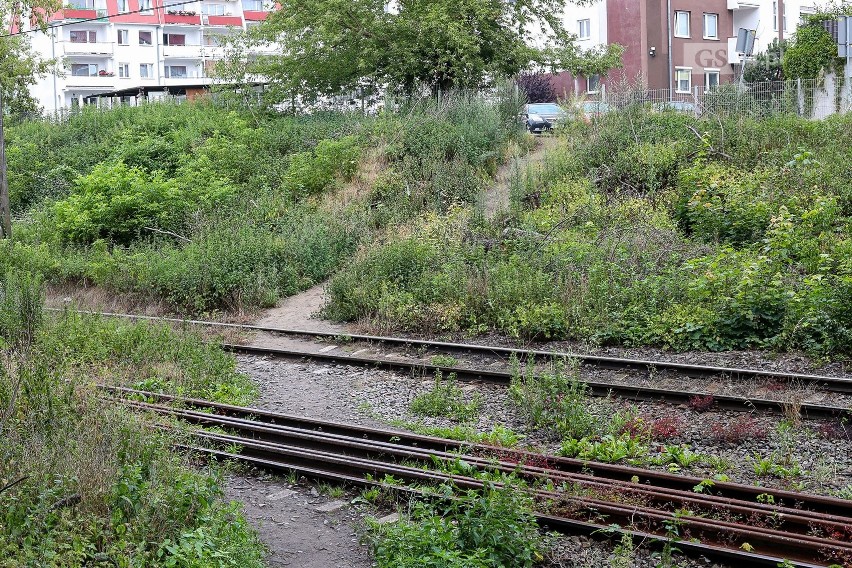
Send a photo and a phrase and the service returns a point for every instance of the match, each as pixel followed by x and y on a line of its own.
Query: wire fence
pixel 811 98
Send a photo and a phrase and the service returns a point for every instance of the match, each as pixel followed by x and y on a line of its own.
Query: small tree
pixel 767 65
pixel 536 87
pixel 19 68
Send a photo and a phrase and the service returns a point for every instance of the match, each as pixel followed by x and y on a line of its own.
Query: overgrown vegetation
pixel 208 209
pixel 489 528
pixel 645 228
pixel 84 482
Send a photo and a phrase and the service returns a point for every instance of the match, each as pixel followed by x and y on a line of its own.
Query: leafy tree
pixel 19 68
pixel 811 50
pixel 767 65
pixel 326 47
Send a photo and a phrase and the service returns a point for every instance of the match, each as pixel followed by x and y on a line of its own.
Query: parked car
pixel 678 106
pixel 542 117
pixel 592 109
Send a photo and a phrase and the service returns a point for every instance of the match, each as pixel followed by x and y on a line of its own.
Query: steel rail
pixel 742 492
pixel 596 388
pixel 825 382
pixel 549 522
pixel 805 549
pixel 803 521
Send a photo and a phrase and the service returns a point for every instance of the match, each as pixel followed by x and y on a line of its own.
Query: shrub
pixel 445 398
pixel 555 400
pixel 311 172
pixel 491 528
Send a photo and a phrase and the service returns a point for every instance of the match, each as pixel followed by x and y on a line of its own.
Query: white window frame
pixel 150 33
pixel 124 70
pixel 715 17
pixel 168 73
pixel 123 6
pixel 126 33
pixel 775 16
pixel 707 73
pixel 146 7
pixel 584 26
pixel 678 70
pixel 255 3
pixel 678 14
pixel 92 69
pixel 149 71
pixel 596 79
pixel 213 9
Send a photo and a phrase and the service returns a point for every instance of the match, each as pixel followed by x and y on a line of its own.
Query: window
pixel 681 24
pixel 146 70
pixel 213 9
pixel 253 5
pixel 145 38
pixel 84 69
pixel 123 37
pixel 775 16
pixel 585 29
pixel 124 70
pixel 683 79
pixel 123 6
pixel 174 39
pixel 593 83
pixel 175 71
pixel 83 36
pixel 711 26
pixel 82 5
pixel 145 7
pixel 711 79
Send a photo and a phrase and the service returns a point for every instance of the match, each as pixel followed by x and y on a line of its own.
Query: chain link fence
pixel 811 98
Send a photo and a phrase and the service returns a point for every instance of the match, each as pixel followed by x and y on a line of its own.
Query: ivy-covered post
pixel 5 209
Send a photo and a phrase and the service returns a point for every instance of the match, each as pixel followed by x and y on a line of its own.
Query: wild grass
pixel 84 482
pixel 207 209
pixel 641 229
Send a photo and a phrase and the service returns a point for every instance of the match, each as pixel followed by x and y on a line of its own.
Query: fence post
pixel 695 100
pixel 799 97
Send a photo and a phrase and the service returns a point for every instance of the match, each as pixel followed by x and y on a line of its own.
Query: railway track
pixel 630 392
pixel 740 524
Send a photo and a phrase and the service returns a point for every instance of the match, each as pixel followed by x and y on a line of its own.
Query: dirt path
pixel 300 312
pixel 497 197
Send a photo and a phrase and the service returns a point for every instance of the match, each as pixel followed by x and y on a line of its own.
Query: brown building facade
pixel 671 44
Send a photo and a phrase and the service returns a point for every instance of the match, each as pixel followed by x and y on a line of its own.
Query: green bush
pixel 118 202
pixel 491 528
pixel 311 172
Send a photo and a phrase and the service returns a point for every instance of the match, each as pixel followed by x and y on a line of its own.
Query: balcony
pixel 96 48
pixel 179 17
pixel 743 4
pixel 90 81
pixel 734 58
pixel 223 21
pixel 255 16
pixel 192 78
pixel 190 51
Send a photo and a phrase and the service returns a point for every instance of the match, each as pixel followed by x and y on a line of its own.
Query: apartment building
pixel 678 44
pixel 126 49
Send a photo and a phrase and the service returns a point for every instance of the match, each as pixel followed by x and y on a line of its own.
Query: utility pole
pixel 5 210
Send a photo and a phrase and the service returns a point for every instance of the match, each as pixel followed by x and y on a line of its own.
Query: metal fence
pixel 811 98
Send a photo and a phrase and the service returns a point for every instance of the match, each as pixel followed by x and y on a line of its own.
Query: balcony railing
pixel 188 51
pixel 100 81
pixel 96 48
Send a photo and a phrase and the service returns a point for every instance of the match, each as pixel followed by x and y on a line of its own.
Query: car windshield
pixel 544 109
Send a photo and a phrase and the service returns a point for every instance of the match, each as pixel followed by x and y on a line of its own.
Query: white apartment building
pixel 154 50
